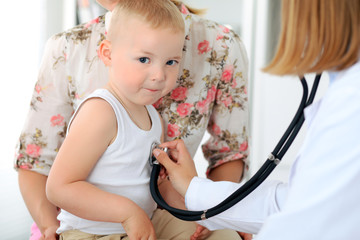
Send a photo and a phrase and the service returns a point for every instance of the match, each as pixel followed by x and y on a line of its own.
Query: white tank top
pixel 123 169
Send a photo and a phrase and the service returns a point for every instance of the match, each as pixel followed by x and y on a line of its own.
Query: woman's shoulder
pixel 81 35
pixel 213 29
pixel 73 45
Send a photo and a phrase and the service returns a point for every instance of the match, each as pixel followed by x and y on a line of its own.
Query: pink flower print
pixel 57 120
pixel 184 109
pixel 243 146
pixel 225 29
pixel 220 162
pixel 224 149
pixel 35 232
pixel 38 88
pixel 227 73
pixel 234 84
pixel 218 95
pixel 96 20
pixel 245 90
pixel 237 156
pixel 158 103
pixel 26 166
pixel 184 10
pixel 179 94
pixel 203 47
pixel 211 94
pixel 33 150
pixel 173 130
pixel 77 96
pixel 216 129
pixel 219 37
pixel 202 106
pixel 227 101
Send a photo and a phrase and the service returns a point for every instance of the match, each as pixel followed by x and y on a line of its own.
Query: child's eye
pixel 144 60
pixel 171 62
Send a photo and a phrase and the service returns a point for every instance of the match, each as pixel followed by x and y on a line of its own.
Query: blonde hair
pixel 156 13
pixel 317 35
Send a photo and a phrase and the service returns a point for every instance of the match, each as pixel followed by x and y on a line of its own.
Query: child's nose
pixel 158 74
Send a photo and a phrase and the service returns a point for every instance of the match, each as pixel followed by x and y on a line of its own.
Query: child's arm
pixel 91 132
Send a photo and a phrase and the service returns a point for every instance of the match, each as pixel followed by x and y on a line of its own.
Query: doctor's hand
pixel 180 168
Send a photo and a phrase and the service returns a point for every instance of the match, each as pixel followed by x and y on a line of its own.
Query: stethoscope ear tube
pixel 265 170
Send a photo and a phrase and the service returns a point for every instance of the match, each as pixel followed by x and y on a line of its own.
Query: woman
pixel 322 198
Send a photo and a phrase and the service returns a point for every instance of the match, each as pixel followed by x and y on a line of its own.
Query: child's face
pixel 145 62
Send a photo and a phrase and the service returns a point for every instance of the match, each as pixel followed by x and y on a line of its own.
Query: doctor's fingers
pixel 177 144
pixel 178 150
pixel 180 173
pixel 164 159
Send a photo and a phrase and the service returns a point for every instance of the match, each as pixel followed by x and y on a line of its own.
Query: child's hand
pixel 200 233
pixel 138 226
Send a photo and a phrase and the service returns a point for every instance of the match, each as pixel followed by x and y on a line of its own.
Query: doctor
pixel 322 198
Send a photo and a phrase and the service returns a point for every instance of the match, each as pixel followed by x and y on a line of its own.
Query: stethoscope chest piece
pixel 152 159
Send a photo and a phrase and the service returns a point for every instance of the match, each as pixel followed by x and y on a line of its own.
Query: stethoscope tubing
pixel 264 171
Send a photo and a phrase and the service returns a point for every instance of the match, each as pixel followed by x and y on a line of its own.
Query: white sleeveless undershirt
pixel 123 169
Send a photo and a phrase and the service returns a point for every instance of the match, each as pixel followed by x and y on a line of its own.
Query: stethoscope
pixel 272 161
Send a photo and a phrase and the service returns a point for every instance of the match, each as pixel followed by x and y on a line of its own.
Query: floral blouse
pixel 211 93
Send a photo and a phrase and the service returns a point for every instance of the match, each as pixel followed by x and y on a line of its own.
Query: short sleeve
pixel 45 125
pixel 228 125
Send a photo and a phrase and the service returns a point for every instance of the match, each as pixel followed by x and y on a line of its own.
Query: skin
pixel 155 62
pixel 44 213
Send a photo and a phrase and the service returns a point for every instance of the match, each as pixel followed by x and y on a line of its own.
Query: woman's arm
pixel 227 149
pixel 44 213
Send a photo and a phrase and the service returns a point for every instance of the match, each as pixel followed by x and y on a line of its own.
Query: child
pixel 100 178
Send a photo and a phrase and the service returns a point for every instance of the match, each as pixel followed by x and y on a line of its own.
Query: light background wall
pixel 20 44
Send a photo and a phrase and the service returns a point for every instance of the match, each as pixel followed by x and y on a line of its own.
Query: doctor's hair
pixel 317 35
pixel 156 13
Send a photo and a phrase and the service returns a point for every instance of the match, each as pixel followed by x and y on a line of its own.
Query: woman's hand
pixel 181 168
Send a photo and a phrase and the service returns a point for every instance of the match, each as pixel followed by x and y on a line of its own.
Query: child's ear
pixel 105 52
